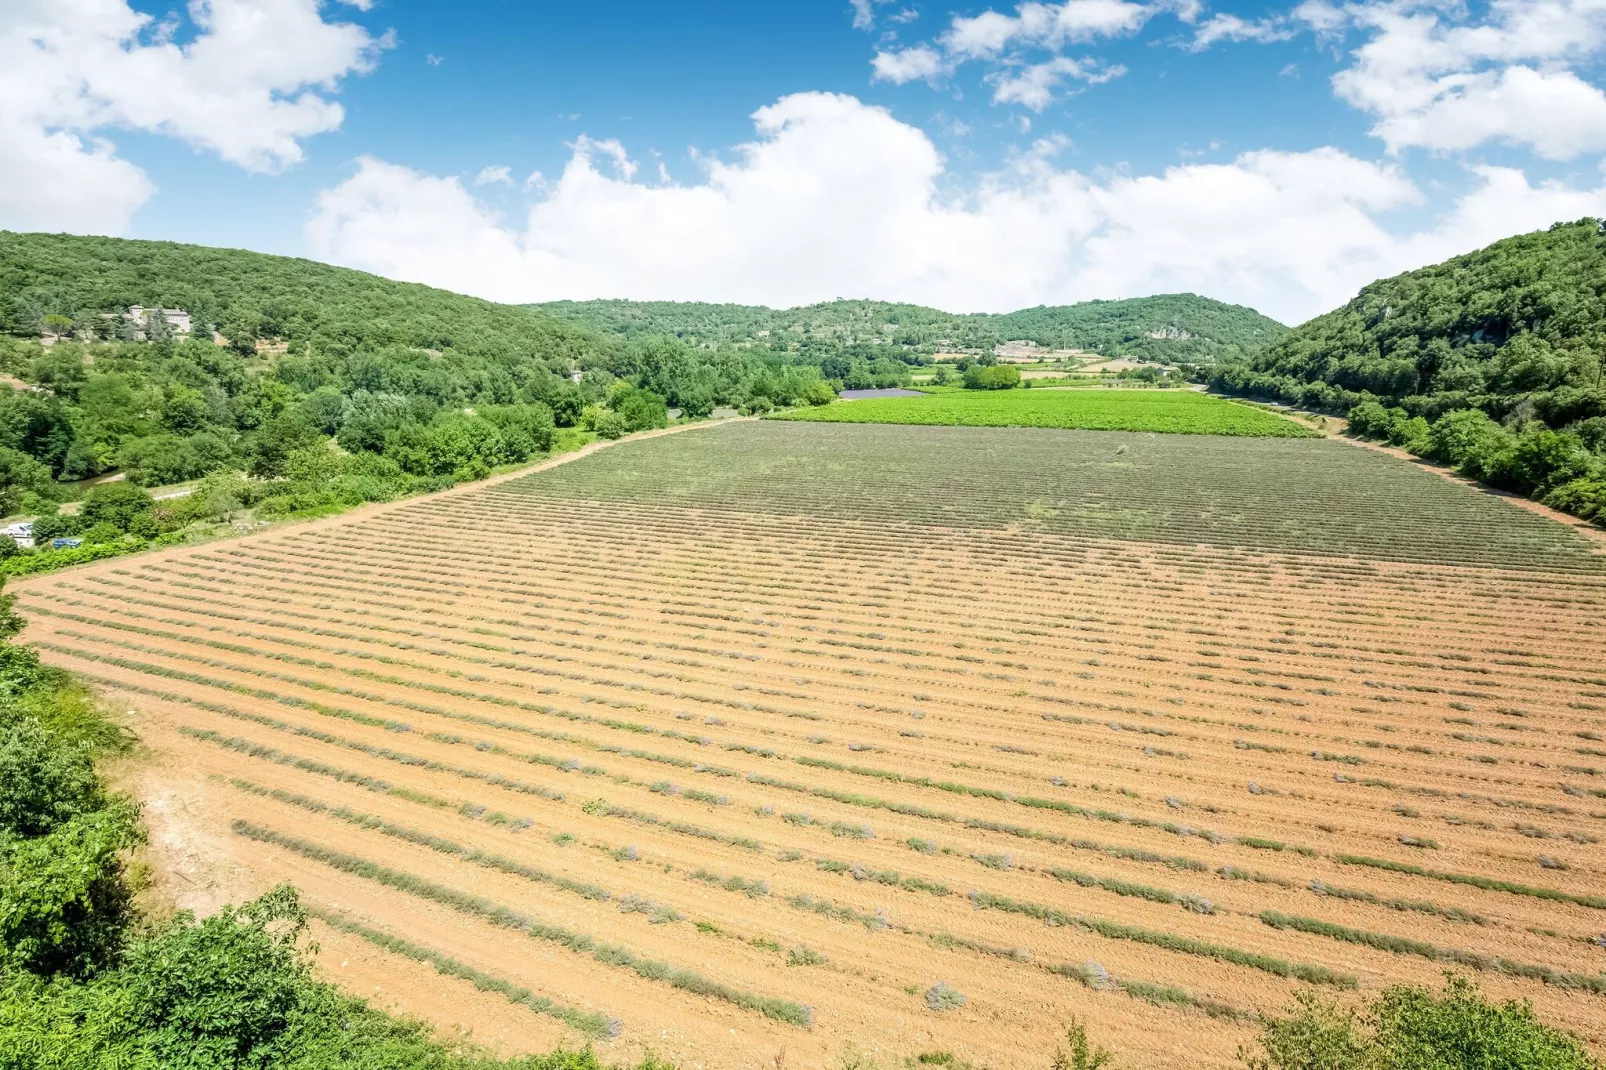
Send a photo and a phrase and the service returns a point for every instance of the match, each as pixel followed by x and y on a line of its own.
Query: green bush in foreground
pixel 1412 1028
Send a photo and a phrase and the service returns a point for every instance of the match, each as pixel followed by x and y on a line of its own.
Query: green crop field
pixel 1184 412
pixel 1286 495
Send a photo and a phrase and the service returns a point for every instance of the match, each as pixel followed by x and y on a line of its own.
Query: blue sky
pixel 971 156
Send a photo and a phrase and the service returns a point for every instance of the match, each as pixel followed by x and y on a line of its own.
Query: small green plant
pixel 1079 1053
pixel 804 956
pixel 944 997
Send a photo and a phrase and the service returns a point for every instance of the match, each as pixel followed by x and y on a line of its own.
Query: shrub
pixel 1079 1053
pixel 1584 498
pixel 45 781
pixel 642 409
pixel 63 903
pixel 1411 1028
pixel 996 377
pixel 944 997
pixel 116 504
pixel 605 422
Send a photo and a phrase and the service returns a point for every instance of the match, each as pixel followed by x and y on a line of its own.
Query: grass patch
pixel 1400 945
pixel 1474 881
pixel 1170 941
pixel 1183 412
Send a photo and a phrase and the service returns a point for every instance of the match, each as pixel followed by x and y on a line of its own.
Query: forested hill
pixel 1168 327
pixel 1492 362
pixel 261 360
pixel 1517 324
pixel 250 295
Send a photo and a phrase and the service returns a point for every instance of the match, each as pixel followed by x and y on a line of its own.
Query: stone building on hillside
pixel 176 318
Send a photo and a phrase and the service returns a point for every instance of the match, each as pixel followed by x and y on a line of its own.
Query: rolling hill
pixel 249 295
pixel 1519 324
pixel 1168 327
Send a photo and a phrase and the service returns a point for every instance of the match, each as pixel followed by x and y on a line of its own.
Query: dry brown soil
pixel 834 711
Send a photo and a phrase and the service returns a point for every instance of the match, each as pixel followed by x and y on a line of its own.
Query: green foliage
pixel 1491 362
pixel 20 477
pixel 63 902
pixel 254 296
pixel 995 377
pixel 641 409
pixel 120 505
pixel 1181 412
pixel 1079 1052
pixel 1316 1035
pixel 1168 327
pixel 45 780
pixel 1412 1028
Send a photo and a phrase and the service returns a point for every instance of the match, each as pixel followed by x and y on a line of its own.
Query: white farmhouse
pixel 176 318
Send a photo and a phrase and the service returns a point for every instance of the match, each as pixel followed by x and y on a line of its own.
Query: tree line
pixel 1171 328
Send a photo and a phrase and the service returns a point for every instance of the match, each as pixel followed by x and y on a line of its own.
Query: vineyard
pixel 754 745
pixel 1184 412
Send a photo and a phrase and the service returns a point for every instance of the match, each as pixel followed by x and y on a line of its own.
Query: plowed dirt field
pixel 756 744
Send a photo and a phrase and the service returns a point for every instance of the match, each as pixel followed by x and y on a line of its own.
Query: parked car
pixel 65 544
pixel 21 534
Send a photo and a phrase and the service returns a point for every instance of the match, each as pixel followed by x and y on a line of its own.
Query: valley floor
pixel 763 740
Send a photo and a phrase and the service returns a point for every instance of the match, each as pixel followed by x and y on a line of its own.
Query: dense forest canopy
pixel 1492 362
pixel 1519 325
pixel 248 296
pixel 1170 327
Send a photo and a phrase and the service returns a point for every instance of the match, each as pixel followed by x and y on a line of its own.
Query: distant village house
pixel 176 318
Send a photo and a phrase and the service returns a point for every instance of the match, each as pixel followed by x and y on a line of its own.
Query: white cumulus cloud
pixel 1002 41
pixel 495 175
pixel 1449 77
pixel 1442 81
pixel 1034 85
pixel 908 64
pixel 1227 27
pixel 834 197
pixel 250 86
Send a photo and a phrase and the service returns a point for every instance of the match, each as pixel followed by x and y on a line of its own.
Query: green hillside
pixel 1169 327
pixel 1492 361
pixel 419 387
pixel 1520 323
pixel 250 295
